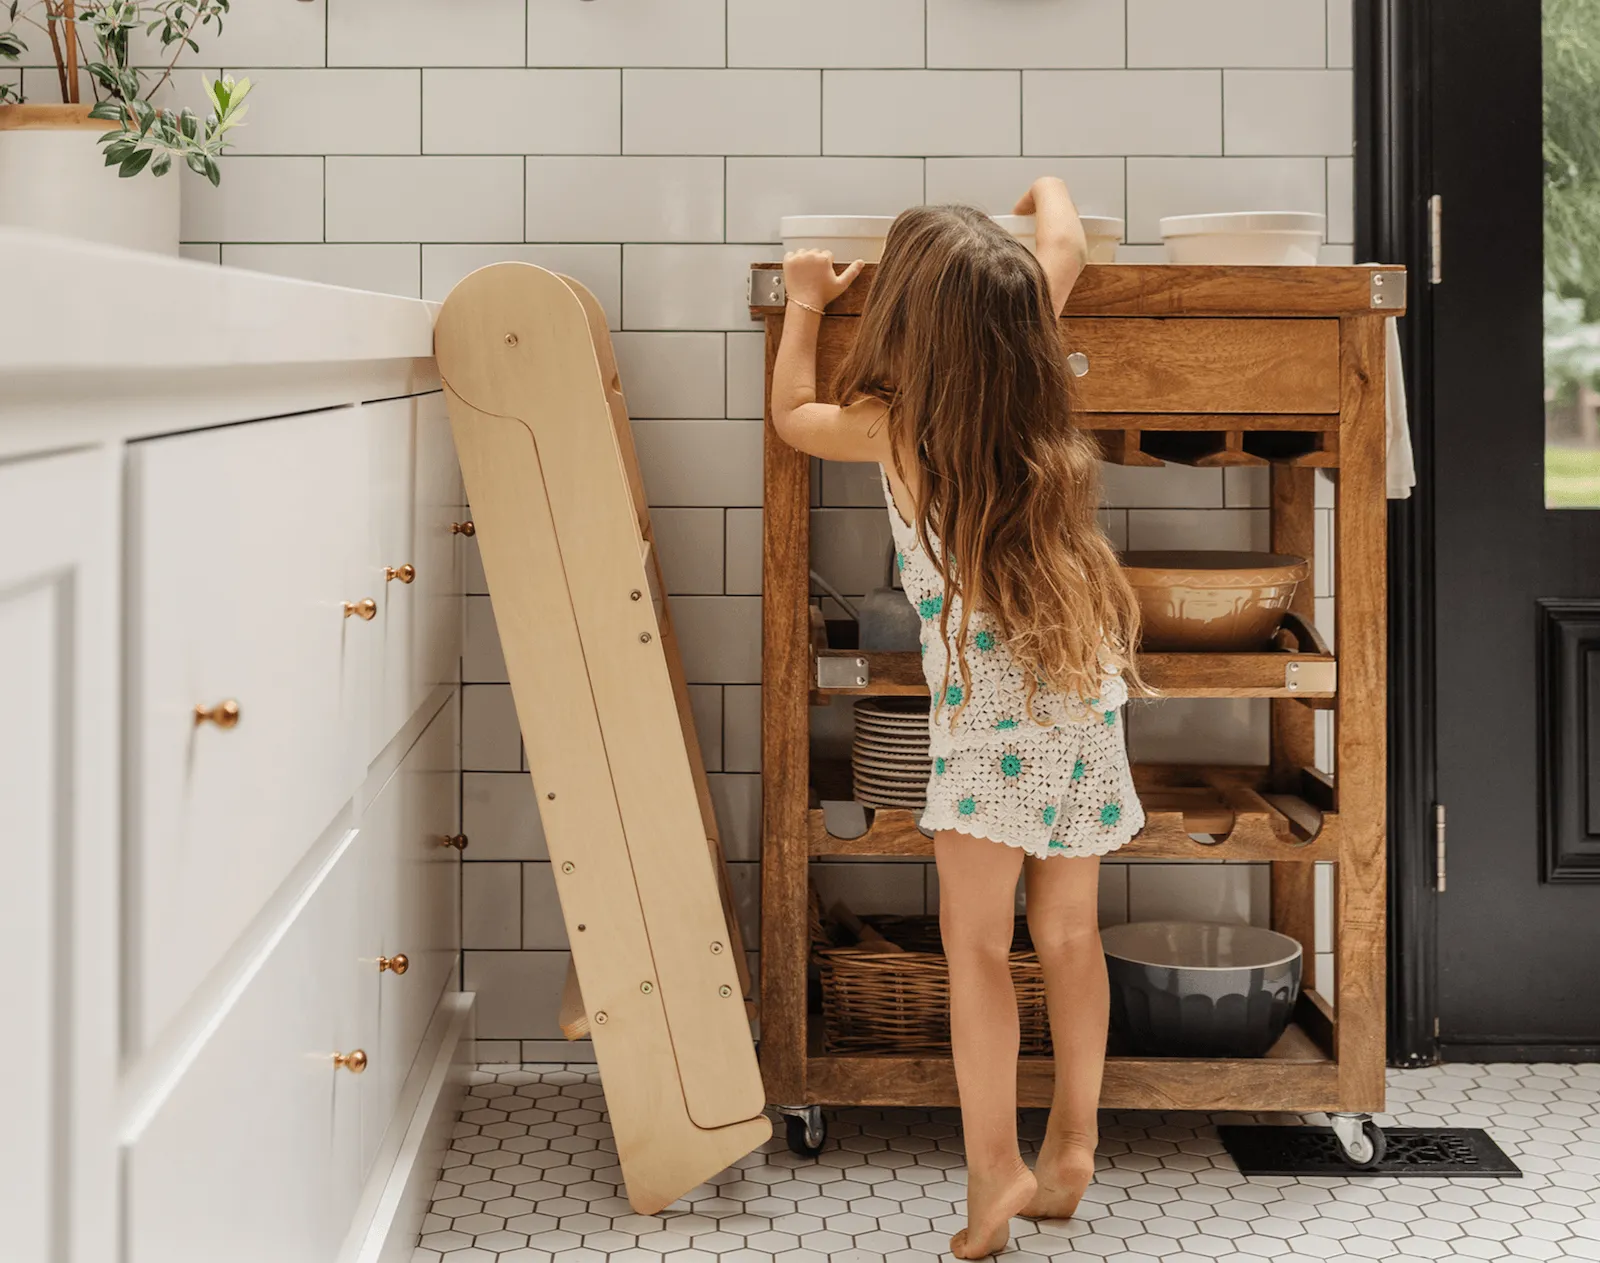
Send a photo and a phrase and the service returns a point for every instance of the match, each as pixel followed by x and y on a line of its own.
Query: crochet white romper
pixel 1056 783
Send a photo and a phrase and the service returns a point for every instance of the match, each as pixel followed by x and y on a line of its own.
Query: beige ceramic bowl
pixel 1217 601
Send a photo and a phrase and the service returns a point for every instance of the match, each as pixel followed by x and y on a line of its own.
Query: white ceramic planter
pixel 1245 237
pixel 53 178
pixel 862 236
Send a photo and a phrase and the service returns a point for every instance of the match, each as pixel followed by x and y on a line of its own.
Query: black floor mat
pixel 1411 1151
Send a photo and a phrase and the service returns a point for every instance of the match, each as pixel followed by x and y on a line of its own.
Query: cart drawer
pixel 1234 366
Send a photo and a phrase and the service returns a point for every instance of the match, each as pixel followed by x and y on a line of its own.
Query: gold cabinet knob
pixel 366 610
pixel 223 714
pixel 405 573
pixel 459 841
pixel 355 1062
pixel 463 528
pixel 398 963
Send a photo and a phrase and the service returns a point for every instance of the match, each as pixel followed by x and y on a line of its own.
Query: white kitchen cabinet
pixel 245 545
pixel 254 1155
pixel 440 505
pixel 58 811
pixel 410 907
pixel 229 751
pixel 390 563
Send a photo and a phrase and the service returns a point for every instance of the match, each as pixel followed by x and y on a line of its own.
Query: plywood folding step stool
pixel 542 432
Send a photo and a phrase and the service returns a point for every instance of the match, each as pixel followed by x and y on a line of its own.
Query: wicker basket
pixel 899 1002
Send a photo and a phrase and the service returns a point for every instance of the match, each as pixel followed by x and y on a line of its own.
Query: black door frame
pixel 1393 181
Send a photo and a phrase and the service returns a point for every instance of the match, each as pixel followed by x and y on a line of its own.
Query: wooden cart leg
pixel 1293 725
pixel 1361 783
pixel 785 759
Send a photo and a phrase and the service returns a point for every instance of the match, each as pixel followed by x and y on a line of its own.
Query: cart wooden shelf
pixel 1281 368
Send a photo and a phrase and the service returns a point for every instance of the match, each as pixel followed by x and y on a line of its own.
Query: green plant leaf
pixel 134 163
pixel 195 162
pixel 161 165
pixel 213 172
pixel 108 110
pixel 188 123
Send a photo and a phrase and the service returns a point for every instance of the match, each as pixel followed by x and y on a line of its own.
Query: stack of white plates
pixel 890 757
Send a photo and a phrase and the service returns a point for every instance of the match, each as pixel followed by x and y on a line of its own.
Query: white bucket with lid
pixel 862 236
pixel 1245 237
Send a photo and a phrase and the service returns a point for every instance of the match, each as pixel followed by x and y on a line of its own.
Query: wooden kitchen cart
pixel 1206 366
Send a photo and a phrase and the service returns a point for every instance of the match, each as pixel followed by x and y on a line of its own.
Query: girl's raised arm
pixel 1062 248
pixel 818 429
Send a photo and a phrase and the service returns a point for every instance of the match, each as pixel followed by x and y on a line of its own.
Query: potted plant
pixel 98 169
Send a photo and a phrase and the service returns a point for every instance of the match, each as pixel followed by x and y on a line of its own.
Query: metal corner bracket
pixel 843 673
pixel 1387 290
pixel 764 288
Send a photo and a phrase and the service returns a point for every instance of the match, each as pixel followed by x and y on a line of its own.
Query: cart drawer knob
pixel 405 573
pixel 355 1062
pixel 366 609
pixel 398 963
pixel 1078 364
pixel 463 528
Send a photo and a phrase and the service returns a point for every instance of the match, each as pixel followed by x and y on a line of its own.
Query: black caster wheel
pixel 807 1133
pixel 1369 1152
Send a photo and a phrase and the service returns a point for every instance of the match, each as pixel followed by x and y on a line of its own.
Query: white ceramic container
pixel 53 178
pixel 862 236
pixel 1245 237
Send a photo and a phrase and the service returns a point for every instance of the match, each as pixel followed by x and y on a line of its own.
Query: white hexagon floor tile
pixel 532 1177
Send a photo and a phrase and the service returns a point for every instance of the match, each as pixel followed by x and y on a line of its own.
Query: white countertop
pixel 171 344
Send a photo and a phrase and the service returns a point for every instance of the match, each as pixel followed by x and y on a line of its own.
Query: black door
pixel 1516 350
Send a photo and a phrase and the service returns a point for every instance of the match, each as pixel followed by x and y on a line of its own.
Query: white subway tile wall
pixel 649 150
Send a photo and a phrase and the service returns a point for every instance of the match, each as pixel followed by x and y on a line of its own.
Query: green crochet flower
pixel 953 695
pixel 938 767
pixel 984 640
pixel 966 806
pixel 1011 765
pixel 1111 718
pixel 1049 815
pixel 930 607
pixel 900 560
pixel 1005 725
pixel 1110 814
pixel 1078 770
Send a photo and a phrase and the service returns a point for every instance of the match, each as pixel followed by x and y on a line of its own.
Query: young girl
pixel 957 387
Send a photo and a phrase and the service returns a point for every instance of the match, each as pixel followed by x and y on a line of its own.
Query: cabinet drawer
pixel 244 545
pixel 391 444
pixel 411 905
pixel 1177 365
pixel 440 503
pixel 255 1156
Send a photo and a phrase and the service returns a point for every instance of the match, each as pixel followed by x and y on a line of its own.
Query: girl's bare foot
pixel 991 1201
pixel 1063 1173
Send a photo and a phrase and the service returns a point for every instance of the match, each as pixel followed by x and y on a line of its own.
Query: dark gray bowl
pixel 1194 989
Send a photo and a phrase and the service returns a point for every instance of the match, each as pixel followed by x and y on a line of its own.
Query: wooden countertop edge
pixel 1180 289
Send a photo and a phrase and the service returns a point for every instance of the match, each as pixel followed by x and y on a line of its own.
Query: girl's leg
pixel 1063 908
pixel 977 898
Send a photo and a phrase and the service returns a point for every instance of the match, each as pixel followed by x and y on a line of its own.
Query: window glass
pixel 1572 253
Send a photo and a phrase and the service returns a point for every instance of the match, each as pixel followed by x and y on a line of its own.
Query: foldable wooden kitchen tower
pixel 559 512
pixel 1205 366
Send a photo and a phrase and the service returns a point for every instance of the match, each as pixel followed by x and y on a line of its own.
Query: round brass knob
pixel 405 573
pixel 355 1062
pixel 459 841
pixel 398 963
pixel 223 714
pixel 463 528
pixel 366 610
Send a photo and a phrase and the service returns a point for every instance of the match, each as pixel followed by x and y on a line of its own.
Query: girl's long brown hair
pixel 960 341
